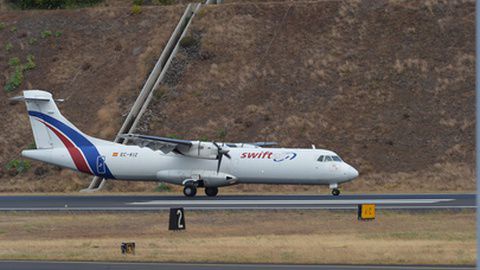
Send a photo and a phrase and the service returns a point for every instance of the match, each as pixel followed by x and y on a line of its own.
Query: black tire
pixel 335 192
pixel 211 191
pixel 190 190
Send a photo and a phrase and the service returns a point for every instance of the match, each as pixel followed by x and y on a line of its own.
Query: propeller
pixel 221 152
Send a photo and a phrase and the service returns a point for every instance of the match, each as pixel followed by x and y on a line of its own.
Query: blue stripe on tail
pixel 88 149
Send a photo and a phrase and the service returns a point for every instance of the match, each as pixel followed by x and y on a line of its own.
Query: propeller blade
pixel 221 153
pixel 219 163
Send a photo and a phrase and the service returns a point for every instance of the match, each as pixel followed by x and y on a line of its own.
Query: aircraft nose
pixel 354 172
pixel 351 172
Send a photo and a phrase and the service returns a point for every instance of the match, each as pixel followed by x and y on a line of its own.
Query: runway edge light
pixel 366 211
pixel 128 248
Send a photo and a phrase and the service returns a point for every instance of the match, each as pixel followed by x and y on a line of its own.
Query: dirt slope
pixel 97 59
pixel 388 85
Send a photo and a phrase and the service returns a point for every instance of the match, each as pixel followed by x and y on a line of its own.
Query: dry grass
pixel 258 236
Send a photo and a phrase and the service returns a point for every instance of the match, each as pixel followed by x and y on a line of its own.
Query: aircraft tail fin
pixel 56 137
pixel 49 126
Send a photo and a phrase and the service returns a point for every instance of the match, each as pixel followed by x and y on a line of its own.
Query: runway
pixel 41 265
pixel 234 202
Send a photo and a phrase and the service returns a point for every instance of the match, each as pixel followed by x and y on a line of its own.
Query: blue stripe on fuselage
pixel 88 149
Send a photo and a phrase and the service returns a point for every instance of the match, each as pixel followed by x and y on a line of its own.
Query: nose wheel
pixel 335 192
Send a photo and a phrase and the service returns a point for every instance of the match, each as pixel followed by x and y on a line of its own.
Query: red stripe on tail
pixel 74 152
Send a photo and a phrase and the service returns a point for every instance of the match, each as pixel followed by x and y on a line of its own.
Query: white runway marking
pixel 289 202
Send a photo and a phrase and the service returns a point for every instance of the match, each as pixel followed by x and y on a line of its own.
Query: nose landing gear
pixel 335 191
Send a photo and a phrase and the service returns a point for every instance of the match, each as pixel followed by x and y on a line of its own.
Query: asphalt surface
pixel 232 202
pixel 28 265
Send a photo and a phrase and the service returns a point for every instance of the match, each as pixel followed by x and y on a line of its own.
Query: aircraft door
pixel 101 168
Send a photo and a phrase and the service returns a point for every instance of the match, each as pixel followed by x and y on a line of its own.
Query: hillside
pixel 389 85
pixel 96 58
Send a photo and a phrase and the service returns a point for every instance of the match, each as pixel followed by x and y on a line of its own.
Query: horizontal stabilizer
pixel 33 98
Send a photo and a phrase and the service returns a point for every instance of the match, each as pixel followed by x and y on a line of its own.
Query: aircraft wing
pixel 264 144
pixel 209 150
pixel 163 144
pixel 250 144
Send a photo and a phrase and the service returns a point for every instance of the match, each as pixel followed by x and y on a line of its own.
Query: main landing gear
pixel 190 190
pixel 211 191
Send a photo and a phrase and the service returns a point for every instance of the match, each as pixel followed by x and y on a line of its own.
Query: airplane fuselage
pixel 247 165
pixel 189 163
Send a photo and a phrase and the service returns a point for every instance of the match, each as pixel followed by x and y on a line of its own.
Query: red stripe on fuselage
pixel 77 157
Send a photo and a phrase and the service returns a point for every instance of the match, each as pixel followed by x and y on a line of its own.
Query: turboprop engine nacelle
pixel 204 150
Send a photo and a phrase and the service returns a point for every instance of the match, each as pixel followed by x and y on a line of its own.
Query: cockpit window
pixel 320 158
pixel 327 158
pixel 336 158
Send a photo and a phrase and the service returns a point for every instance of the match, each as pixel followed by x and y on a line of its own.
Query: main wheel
pixel 211 191
pixel 335 192
pixel 190 190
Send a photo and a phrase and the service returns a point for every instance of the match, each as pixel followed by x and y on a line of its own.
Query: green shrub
pixel 13 62
pixel 30 63
pixel 197 93
pixel 136 9
pixel 173 136
pixel 2 26
pixel 138 2
pixel 13 29
pixel 32 41
pixel 188 41
pixel 52 4
pixel 58 33
pixel 31 146
pixel 162 187
pixel 222 133
pixel 164 2
pixel 203 139
pixel 201 13
pixel 159 94
pixel 8 46
pixel 46 33
pixel 15 80
pixel 20 166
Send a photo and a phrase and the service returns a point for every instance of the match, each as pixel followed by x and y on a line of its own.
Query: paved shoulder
pixel 39 265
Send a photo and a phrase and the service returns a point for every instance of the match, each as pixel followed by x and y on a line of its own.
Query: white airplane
pixel 191 164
